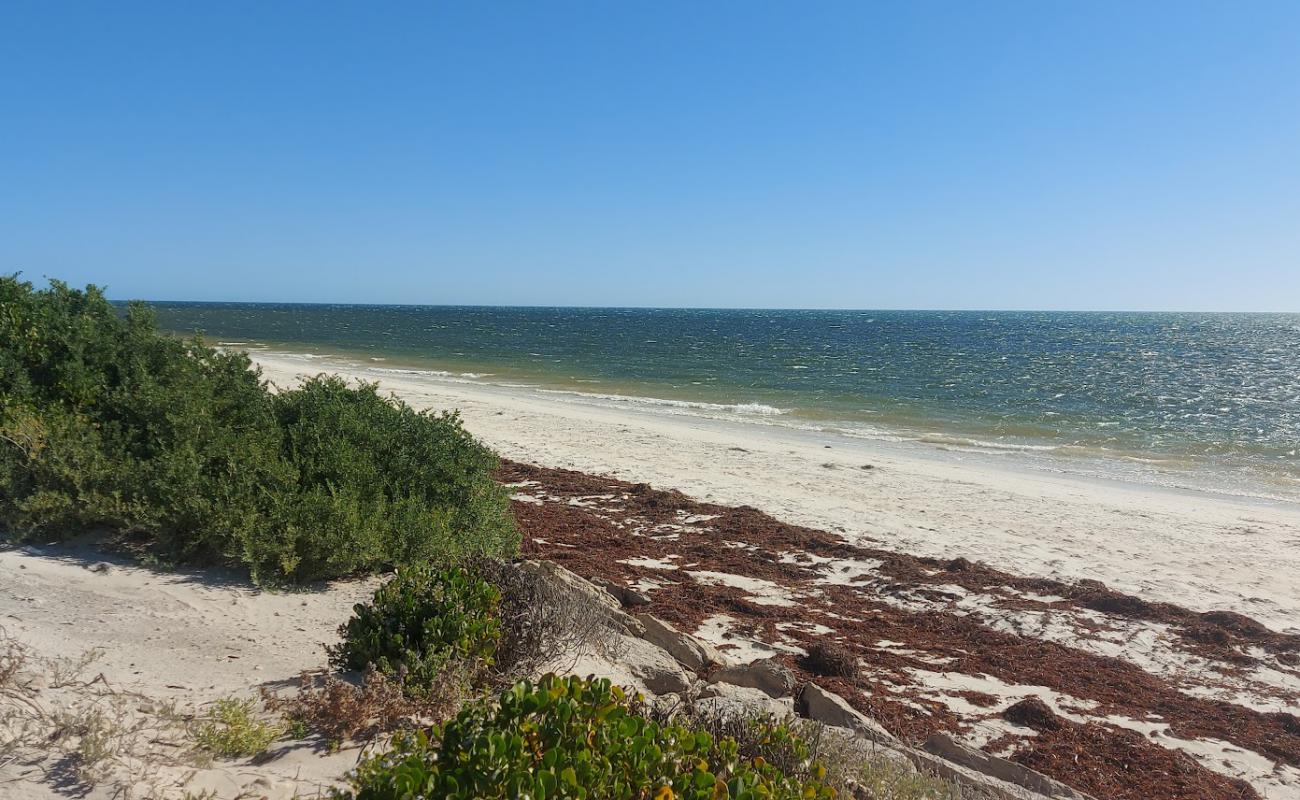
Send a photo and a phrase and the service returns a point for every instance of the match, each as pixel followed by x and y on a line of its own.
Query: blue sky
pixel 815 154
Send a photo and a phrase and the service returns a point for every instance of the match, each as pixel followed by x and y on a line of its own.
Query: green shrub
pixel 572 738
pixel 231 729
pixel 106 424
pixel 381 483
pixel 420 623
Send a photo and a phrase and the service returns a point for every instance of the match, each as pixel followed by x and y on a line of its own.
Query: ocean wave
pixel 432 373
pixel 757 409
pixel 980 444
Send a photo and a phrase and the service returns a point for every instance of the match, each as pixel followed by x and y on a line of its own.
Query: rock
pixel 634 597
pixel 948 749
pixel 102 567
pixel 692 653
pixel 668 705
pixel 613 589
pixel 1115 603
pixel 766 674
pixel 654 668
pixel 829 708
pixel 1237 623
pixel 1288 722
pixel 626 596
pixel 727 700
pixel 600 597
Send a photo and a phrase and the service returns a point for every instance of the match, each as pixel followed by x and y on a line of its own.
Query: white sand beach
pixel 1201 550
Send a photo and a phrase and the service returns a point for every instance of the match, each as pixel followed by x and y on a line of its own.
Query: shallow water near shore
pixel 1204 401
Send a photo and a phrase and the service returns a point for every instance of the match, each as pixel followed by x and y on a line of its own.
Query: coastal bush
pixel 107 424
pixel 422 624
pixel 571 738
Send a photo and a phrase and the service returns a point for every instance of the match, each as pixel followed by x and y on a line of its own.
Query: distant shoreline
pixel 1158 471
pixel 1204 402
pixel 1197 549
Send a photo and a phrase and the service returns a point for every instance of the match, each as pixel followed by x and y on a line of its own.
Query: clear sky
pixel 1126 155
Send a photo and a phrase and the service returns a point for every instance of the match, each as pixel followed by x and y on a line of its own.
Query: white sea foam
pixel 979 444
pixel 758 409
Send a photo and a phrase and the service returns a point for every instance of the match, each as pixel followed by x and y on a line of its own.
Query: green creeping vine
pixel 577 738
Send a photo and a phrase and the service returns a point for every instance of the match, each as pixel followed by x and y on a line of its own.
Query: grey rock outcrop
pixel 653 667
pixel 829 708
pixel 727 700
pixel 692 653
pixel 956 762
pixel 625 596
pixel 765 674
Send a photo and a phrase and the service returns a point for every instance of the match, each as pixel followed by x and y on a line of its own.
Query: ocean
pixel 1203 401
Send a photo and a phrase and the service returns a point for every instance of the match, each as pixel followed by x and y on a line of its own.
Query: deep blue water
pixel 1217 395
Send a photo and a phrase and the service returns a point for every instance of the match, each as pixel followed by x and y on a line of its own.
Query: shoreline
pixel 1161 471
pixel 1195 549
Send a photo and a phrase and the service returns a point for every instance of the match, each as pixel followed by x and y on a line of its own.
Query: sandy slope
pixel 1199 550
pixel 192 637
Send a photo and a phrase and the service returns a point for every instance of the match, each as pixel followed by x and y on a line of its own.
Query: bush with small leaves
pixel 180 449
pixel 571 738
pixel 422 623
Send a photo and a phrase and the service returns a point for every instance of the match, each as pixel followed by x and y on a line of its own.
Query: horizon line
pixel 580 307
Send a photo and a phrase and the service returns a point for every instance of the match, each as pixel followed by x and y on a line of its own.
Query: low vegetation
pixel 573 738
pixel 339 710
pixel 562 736
pixel 422 624
pixel 432 637
pixel 232 729
pixel 853 767
pixel 181 450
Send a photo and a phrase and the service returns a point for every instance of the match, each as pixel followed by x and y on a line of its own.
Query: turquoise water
pixel 1205 400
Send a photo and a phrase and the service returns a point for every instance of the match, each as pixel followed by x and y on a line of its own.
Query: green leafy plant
pixel 107 424
pixel 573 738
pixel 421 623
pixel 231 729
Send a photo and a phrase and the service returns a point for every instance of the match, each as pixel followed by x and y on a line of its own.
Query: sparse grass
pixel 96 734
pixel 64 672
pixel 340 711
pixel 543 622
pixel 231 729
pixel 881 778
pixel 13 657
